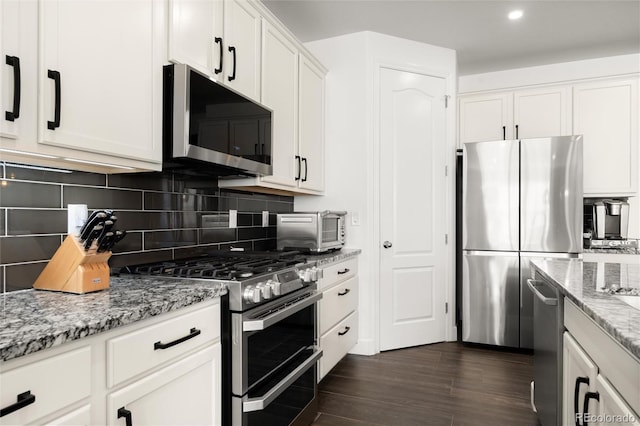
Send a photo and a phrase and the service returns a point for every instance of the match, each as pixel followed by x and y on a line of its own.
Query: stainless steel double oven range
pixel 269 333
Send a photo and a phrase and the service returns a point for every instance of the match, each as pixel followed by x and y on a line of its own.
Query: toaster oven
pixel 314 232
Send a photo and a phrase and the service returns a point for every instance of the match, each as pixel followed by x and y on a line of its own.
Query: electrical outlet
pixel 233 218
pixel 265 218
pixel 76 217
pixel 355 219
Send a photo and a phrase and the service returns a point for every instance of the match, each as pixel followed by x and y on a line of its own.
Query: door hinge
pixel 446 101
pixel 446 238
pixel 446 307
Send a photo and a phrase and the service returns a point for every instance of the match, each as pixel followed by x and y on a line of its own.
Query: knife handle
pixel 105 241
pixel 97 230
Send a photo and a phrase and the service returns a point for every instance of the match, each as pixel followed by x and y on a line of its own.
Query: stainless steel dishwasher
pixel 548 325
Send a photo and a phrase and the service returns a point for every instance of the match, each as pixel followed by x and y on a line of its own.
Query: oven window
pixel 284 409
pixel 269 349
pixel 330 229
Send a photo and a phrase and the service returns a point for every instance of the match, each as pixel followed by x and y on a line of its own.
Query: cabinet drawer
pixel 148 347
pixel 336 342
pixel 337 303
pixel 337 272
pixel 55 382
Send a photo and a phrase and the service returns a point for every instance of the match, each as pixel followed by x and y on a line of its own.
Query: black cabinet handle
pixel 504 133
pixel 344 271
pixel 306 170
pixel 585 407
pixel 122 412
pixel 516 131
pixel 232 77
pixel 55 75
pixel 192 333
pixel 14 61
pixel 24 399
pixel 345 292
pixel 346 330
pixel 218 41
pixel 576 396
pixel 299 167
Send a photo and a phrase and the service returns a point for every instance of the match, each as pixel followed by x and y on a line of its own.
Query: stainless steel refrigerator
pixel 521 199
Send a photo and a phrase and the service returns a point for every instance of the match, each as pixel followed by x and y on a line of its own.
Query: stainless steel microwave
pixel 208 126
pixel 315 232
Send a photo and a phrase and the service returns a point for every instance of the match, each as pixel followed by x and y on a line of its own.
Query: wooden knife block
pixel 74 270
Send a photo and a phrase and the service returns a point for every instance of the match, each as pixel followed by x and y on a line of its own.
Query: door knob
pixel 387 244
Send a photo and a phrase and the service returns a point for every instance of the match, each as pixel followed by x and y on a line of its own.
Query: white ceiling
pixel 485 40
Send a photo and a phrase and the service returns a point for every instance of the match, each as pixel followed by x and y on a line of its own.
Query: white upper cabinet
pixel 606 113
pixel 100 77
pixel 195 35
pixel 485 117
pixel 280 93
pixel 242 24
pixel 311 145
pixel 520 114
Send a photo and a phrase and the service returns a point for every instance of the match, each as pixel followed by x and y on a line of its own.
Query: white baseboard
pixel 364 347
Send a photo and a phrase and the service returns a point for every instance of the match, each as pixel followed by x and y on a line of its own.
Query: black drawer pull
pixel 14 61
pixel 345 292
pixel 122 412
pixel 55 75
pixel 24 399
pixel 218 41
pixel 232 49
pixel 299 167
pixel 576 396
pixel 585 407
pixel 346 330
pixel 344 271
pixel 306 170
pixel 192 333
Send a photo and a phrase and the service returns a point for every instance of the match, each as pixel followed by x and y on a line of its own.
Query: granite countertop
pixel 334 256
pixel 33 320
pixel 587 284
pixel 616 250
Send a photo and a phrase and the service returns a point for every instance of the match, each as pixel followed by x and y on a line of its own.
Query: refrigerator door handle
pixel 491 253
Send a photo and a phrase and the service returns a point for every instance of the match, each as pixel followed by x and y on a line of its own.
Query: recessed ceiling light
pixel 516 14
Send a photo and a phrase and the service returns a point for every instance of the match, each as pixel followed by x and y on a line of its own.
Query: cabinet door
pixel 108 56
pixel 541 113
pixel 606 113
pixel 242 23
pixel 9 58
pixel 486 117
pixel 195 34
pixel 280 93
pixel 185 393
pixel 612 409
pixel 311 139
pixel 81 416
pixel 579 376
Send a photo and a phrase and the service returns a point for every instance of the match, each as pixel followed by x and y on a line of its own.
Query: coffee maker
pixel 606 223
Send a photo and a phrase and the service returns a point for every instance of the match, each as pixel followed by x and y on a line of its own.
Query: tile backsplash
pixel 166 215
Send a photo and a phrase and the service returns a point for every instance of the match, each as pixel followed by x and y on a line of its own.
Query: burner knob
pixel 265 288
pixel 305 275
pixel 275 287
pixel 252 294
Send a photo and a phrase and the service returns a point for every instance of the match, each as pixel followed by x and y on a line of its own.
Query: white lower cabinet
pixel 337 313
pixel 579 376
pixel 612 409
pixel 185 393
pixel 81 416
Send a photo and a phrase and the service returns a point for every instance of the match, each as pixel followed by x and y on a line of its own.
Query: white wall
pixel 558 73
pixel 352 148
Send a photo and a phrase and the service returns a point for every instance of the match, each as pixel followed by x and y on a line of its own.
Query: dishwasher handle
pixel 551 301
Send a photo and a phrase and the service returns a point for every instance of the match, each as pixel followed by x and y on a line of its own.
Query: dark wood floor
pixel 440 384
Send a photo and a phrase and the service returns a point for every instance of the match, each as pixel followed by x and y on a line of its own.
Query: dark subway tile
pixel 128 259
pixel 247 245
pixel 208 236
pixel 195 184
pixel 208 203
pixel 2 216
pixel 23 221
pixel 21 277
pixel 167 239
pixel 264 245
pixel 131 242
pixel 169 201
pixel 279 207
pixel 254 233
pixel 28 249
pixel 213 220
pixel 143 221
pixel 185 220
pixel 273 219
pixel 74 177
pixel 101 198
pixel 153 181
pixel 226 203
pixel 186 252
pixel 245 219
pixel 24 194
pixel 272 232
pixel 247 205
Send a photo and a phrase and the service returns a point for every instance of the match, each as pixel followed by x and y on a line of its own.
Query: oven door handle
pixel 262 323
pixel 257 404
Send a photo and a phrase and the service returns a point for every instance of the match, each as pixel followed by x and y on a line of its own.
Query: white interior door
pixel 412 209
